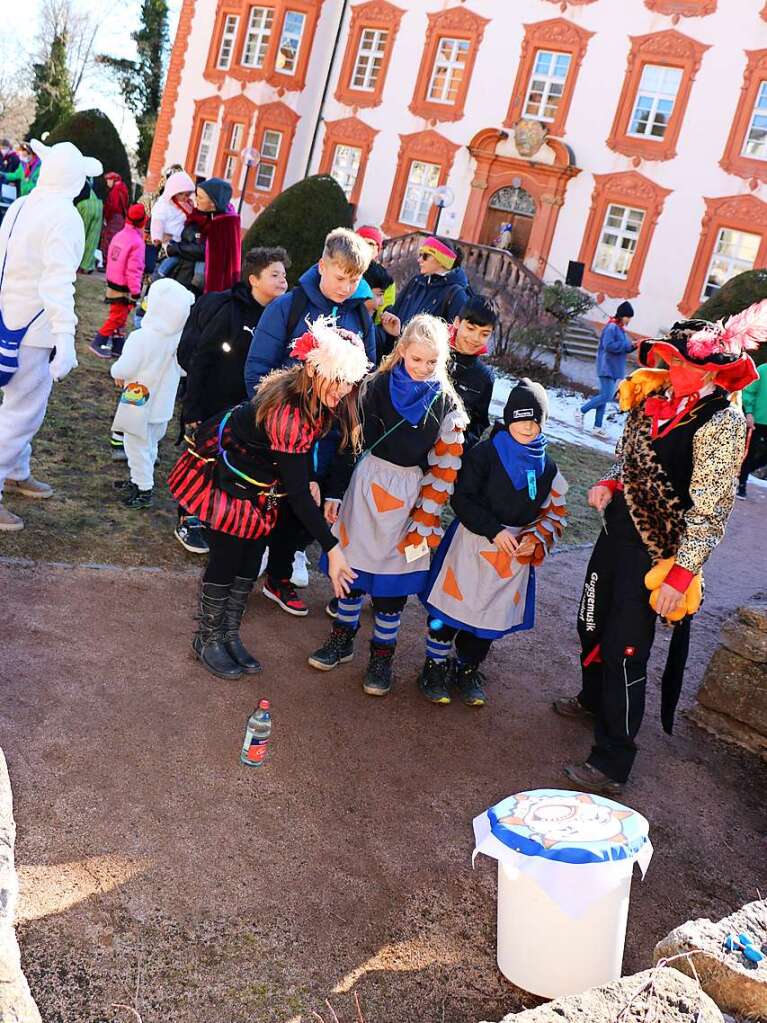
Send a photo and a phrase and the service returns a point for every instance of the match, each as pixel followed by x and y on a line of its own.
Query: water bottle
pixel 257 732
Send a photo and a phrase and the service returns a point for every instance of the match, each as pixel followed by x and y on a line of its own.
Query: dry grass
pixel 84 523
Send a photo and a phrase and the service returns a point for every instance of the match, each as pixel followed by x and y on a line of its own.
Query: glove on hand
pixel 64 358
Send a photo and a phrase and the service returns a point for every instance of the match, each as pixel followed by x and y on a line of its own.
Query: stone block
pixel 745 638
pixel 736 686
pixel 675 999
pixel 735 984
pixel 755 614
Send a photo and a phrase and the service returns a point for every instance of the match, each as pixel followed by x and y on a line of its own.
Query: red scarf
pixel 668 410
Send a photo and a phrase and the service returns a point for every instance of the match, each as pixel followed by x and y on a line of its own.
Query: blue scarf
pixel 411 398
pixel 523 463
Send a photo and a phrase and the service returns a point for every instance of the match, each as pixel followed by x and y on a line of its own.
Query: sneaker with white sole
pixel 300 576
pixel 578 419
pixel 281 591
pixel 600 432
pixel 189 533
pixel 8 521
pixel 30 487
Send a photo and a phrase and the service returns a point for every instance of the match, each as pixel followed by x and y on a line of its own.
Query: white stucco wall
pixel 694 173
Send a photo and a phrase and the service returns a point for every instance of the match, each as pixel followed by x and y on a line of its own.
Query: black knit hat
pixel 624 309
pixel 527 401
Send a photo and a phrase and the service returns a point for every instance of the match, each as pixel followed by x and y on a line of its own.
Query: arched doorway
pixel 509 220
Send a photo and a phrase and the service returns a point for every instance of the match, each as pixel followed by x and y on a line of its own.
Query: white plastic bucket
pixel 550 953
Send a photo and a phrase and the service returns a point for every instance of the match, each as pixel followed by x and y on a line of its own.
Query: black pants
pixel 756 456
pixel 230 557
pixel 616 626
pixel 383 605
pixel 471 649
pixel 287 537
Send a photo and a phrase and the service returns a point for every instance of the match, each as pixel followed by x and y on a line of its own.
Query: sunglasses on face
pixel 422 256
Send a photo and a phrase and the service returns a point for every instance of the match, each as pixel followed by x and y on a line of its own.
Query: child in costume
pixel 244 462
pixel 125 274
pixel 665 505
pixel 388 520
pixel 469 337
pixel 510 509
pixel 148 375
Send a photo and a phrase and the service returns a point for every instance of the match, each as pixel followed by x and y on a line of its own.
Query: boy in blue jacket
pixel 614 345
pixel 330 288
pixel 327 289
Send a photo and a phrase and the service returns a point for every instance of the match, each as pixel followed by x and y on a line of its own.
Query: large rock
pixel 744 635
pixel 16 1002
pixel 735 984
pixel 675 999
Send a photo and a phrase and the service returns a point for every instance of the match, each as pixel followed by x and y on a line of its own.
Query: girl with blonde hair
pixel 385 511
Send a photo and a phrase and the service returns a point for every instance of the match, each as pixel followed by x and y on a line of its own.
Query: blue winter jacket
pixel 614 344
pixel 270 346
pixel 439 294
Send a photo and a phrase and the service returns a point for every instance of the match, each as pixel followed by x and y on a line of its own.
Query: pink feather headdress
pixel 740 333
pixel 335 353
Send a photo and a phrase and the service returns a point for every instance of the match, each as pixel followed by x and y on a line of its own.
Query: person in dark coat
pixel 9 158
pixel 473 379
pixel 440 288
pixel 614 346
pixel 209 249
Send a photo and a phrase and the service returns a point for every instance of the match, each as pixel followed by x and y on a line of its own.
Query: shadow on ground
pixel 155 869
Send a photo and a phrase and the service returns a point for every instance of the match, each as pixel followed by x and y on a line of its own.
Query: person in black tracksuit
pixel 215 345
pixel 665 505
pixel 473 379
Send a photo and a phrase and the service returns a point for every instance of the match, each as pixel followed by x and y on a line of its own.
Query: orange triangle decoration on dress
pixel 450 585
pixel 343 536
pixel 501 562
pixel 384 501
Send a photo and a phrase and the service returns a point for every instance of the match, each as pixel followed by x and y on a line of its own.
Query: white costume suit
pixel 149 360
pixel 41 242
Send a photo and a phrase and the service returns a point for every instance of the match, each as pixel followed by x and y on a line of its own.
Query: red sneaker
pixel 282 592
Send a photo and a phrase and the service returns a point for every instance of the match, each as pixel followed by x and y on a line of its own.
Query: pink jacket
pixel 125 260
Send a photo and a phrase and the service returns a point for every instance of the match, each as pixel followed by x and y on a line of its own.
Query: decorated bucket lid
pixel 571 827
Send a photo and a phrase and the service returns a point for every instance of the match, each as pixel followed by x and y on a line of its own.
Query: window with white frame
pixel 369 60
pixel 233 151
pixel 417 201
pixel 734 252
pixel 257 36
pixel 448 71
pixel 205 149
pixel 547 85
pixel 346 167
pixel 271 144
pixel 618 241
pixel 227 42
pixel 656 95
pixel 756 138
pixel 290 42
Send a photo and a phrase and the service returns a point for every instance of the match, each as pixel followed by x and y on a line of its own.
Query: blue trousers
pixel 607 388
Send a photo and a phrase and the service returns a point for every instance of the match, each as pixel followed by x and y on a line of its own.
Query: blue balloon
pixel 436 624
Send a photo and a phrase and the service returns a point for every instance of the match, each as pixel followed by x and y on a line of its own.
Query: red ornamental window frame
pixel 429 147
pixel 454 23
pixel 237 110
pixel 561 36
pixel 669 49
pixel 207 109
pixel 276 116
pixel 677 9
pixel 627 188
pixel 733 160
pixel 738 212
pixel 349 131
pixel 374 15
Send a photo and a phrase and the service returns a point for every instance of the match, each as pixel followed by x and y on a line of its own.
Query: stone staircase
pixel 493 272
pixel 581 340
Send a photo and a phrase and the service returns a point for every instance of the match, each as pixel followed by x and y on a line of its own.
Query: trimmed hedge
pixel 733 297
pixel 95 135
pixel 299 220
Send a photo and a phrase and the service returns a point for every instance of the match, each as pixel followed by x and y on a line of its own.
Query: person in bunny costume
pixel 41 244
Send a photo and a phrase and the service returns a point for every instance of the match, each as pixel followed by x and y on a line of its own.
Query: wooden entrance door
pixel 516 208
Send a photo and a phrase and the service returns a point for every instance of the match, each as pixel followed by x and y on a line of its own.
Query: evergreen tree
pixel 141 80
pixel 52 88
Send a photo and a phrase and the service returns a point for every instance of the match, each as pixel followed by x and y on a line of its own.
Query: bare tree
pixel 17 104
pixel 65 19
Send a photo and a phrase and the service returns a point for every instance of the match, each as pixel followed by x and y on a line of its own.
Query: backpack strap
pixel 299 303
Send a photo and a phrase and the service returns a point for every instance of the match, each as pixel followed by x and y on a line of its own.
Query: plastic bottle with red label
pixel 257 734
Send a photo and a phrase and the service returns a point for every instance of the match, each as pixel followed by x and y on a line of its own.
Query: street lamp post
pixel 443 196
pixel 251 158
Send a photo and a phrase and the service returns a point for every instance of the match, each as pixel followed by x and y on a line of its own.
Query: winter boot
pixel 235 609
pixel 469 680
pixel 337 649
pixel 378 680
pixel 208 643
pixel 135 498
pixel 433 681
pixel 118 341
pixel 101 346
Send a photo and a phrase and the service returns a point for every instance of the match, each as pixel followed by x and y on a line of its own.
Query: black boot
pixel 470 682
pixel 235 609
pixel 208 643
pixel 377 680
pixel 433 681
pixel 337 649
pixel 118 342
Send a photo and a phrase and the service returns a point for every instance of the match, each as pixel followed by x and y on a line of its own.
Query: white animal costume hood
pixel 148 363
pixel 167 218
pixel 46 245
